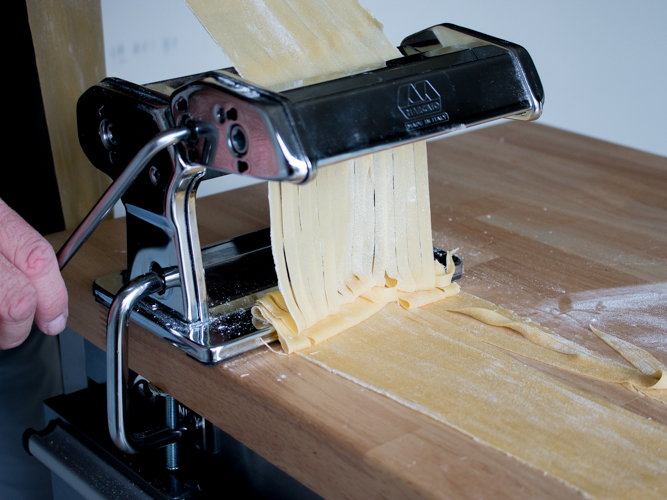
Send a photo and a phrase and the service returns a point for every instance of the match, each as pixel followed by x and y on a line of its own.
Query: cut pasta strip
pixel 362 223
pixel 541 344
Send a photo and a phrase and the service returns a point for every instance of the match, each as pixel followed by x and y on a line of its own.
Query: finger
pixel 38 262
pixel 32 255
pixel 18 301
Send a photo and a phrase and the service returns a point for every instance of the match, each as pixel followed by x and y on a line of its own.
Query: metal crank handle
pixel 161 141
pixel 117 189
pixel 117 366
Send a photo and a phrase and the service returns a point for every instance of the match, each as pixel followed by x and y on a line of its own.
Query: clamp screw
pixel 172 420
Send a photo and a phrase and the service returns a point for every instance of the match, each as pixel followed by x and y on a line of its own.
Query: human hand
pixel 31 286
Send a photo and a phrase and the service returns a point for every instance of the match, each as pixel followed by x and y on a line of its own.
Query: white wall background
pixel 603 63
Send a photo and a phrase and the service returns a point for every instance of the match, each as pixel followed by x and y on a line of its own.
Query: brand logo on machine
pixel 421 104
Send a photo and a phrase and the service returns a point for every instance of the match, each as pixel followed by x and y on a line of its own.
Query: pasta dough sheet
pixel 272 42
pixel 441 368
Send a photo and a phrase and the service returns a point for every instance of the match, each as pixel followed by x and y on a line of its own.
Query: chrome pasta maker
pixel 159 141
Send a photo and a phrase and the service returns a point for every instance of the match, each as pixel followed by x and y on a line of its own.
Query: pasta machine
pixel 159 141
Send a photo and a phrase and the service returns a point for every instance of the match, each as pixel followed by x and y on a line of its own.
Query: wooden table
pixel 558 227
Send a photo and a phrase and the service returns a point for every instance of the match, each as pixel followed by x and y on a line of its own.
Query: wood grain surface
pixel 560 228
pixel 69 52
